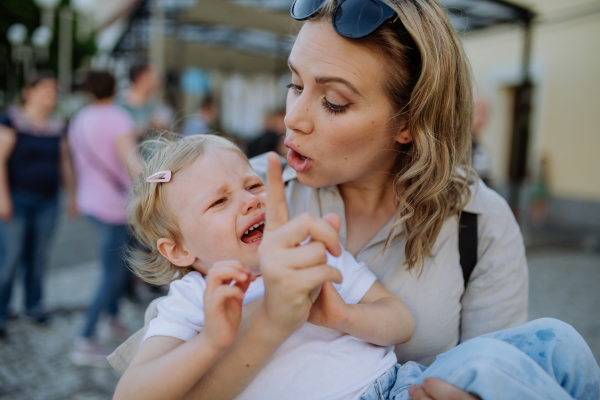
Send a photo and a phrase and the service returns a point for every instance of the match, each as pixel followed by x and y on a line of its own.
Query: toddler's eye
pixel 258 185
pixel 220 201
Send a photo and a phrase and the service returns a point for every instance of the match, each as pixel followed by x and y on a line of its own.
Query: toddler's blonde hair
pixel 149 213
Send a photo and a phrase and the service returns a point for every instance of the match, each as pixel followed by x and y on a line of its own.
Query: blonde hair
pixel 148 212
pixel 428 83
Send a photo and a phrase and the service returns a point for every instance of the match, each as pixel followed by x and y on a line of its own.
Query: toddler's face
pixel 220 205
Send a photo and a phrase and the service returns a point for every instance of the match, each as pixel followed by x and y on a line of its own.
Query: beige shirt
pixel 445 314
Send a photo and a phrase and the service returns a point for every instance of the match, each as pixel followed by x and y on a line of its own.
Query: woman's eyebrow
pixel 329 79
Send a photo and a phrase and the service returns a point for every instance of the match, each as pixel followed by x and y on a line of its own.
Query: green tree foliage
pixel 27 13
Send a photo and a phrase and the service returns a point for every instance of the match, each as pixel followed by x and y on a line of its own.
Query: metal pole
pixel 65 50
pixel 157 36
pixel 522 122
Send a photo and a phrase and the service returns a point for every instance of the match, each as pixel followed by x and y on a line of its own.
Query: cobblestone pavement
pixel 34 362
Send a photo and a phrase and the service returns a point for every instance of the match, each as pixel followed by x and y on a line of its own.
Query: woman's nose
pixel 298 115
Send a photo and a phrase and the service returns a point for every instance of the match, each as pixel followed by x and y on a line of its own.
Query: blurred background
pixel 195 66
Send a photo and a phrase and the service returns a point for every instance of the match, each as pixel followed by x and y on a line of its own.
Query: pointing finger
pixel 277 211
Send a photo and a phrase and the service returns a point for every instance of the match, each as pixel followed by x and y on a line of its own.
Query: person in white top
pixel 206 205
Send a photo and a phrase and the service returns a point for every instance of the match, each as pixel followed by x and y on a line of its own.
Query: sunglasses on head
pixel 351 18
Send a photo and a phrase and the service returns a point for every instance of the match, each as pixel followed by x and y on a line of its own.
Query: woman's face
pixel 43 95
pixel 338 114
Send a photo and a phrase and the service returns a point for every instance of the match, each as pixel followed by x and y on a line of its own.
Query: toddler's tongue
pixel 252 235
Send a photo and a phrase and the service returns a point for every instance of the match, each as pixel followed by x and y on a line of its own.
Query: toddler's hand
pixel 223 303
pixel 329 309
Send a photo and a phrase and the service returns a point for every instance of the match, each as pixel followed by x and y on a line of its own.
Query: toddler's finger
pixel 298 229
pixel 309 255
pixel 334 220
pixel 224 293
pixel 222 275
pixel 316 276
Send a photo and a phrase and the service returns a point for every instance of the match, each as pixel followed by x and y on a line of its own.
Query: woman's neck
pixel 370 195
pixel 369 205
pixel 35 114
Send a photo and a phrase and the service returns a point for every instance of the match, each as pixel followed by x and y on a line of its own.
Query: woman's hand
pixel 329 310
pixel 436 389
pixel 72 209
pixel 223 302
pixel 291 271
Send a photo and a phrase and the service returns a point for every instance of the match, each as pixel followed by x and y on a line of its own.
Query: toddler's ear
pixel 177 255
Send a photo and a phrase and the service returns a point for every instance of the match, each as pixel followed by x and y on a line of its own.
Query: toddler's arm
pixel 166 367
pixel 379 318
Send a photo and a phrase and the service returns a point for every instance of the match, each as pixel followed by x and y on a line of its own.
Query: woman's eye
pixel 334 109
pixel 295 88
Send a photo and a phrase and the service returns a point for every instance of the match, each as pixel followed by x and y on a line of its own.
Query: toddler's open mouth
pixel 254 233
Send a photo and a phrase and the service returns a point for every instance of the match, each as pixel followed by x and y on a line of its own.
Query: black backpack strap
pixel 467 243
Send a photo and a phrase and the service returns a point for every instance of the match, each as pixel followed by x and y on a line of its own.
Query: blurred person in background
pixel 480 157
pixel 33 158
pixel 201 121
pixel 540 195
pixel 102 138
pixel 140 100
pixel 272 138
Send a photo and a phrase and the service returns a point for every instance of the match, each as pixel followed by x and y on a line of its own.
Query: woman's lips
pixel 295 159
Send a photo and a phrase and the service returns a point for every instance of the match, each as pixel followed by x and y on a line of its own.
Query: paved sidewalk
pixel 34 364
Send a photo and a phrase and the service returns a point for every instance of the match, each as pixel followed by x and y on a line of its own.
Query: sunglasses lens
pixel 302 9
pixel 357 18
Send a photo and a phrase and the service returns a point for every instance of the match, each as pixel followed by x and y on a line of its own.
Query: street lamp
pixel 85 23
pixel 17 36
pixel 41 38
pixel 47 7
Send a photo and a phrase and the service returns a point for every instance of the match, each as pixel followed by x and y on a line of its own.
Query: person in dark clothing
pixel 33 158
pixel 272 138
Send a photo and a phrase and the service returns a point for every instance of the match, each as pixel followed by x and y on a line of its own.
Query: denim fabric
pixel 112 241
pixel 543 359
pixel 25 242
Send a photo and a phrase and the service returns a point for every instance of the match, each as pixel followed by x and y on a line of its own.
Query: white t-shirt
pixel 314 363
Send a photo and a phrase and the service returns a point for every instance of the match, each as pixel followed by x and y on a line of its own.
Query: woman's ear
pixel 404 136
pixel 177 255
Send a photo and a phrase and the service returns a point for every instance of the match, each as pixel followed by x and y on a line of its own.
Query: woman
pixel 102 139
pixel 379 129
pixel 33 158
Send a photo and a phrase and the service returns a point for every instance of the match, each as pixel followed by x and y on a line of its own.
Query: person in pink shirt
pixel 103 144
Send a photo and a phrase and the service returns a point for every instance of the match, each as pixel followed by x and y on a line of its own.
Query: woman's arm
pixel 166 367
pixel 8 138
pixel 380 317
pixel 68 176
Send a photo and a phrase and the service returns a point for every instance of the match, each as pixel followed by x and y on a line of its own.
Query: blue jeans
pixel 542 359
pixel 113 240
pixel 25 242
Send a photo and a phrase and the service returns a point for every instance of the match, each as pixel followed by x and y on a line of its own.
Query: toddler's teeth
pixel 256 225
pixel 246 232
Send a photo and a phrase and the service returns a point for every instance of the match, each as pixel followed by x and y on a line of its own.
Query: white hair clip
pixel 162 176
